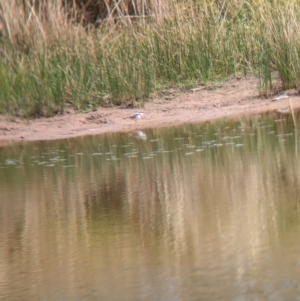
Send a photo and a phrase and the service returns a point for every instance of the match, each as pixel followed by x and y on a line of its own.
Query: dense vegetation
pixel 100 52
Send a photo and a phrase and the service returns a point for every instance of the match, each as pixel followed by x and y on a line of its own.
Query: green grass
pixel 130 64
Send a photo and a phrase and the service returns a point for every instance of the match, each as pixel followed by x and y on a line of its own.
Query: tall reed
pixel 48 62
pixel 278 44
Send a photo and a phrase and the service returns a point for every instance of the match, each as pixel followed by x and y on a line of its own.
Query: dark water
pixel 199 212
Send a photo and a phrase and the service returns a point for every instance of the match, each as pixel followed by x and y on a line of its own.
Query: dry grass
pixel 85 55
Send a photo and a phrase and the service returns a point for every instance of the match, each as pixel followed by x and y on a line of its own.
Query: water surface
pixel 197 212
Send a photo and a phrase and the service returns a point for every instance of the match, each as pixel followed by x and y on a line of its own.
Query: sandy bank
pixel 235 98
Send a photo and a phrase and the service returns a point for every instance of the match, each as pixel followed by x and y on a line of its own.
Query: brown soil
pixel 235 98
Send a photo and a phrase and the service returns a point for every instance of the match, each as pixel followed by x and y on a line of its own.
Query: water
pixel 199 212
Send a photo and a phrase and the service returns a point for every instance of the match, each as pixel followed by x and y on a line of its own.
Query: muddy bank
pixel 237 97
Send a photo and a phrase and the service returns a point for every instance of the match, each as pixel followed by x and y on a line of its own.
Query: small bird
pixel 136 116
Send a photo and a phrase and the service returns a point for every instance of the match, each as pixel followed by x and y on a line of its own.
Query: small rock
pixel 279 97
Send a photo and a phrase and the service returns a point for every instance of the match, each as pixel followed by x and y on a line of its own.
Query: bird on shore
pixel 136 116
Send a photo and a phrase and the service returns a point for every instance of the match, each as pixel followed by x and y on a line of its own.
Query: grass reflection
pixel 210 200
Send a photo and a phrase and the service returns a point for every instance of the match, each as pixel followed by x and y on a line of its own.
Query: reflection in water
pixel 140 135
pixel 193 213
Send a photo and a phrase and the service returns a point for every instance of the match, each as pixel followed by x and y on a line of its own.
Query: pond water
pixel 197 212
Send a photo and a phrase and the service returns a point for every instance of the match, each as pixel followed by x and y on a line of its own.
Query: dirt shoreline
pixel 238 97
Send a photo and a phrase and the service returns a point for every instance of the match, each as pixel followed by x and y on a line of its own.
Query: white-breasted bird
pixel 137 116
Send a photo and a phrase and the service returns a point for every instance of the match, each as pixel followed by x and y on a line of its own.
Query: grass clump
pixel 50 57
